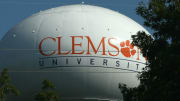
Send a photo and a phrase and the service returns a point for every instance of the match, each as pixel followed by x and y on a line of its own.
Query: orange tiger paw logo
pixel 127 49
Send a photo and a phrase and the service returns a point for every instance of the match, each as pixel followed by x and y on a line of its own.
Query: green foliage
pixel 129 94
pixel 5 86
pixel 160 80
pixel 47 93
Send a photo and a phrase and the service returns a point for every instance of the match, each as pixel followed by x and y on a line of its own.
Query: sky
pixel 13 12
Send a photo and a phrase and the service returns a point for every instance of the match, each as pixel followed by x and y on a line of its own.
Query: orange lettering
pixel 59 47
pixel 73 44
pixel 92 45
pixel 114 46
pixel 40 46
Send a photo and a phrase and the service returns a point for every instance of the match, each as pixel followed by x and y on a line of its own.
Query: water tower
pixel 85 50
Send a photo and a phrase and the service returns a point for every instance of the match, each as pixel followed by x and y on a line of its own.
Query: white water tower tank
pixel 85 50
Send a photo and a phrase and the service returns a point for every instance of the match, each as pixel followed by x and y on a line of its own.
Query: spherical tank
pixel 85 50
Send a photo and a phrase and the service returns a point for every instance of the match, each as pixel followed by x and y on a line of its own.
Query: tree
pixel 160 79
pixel 5 86
pixel 47 93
